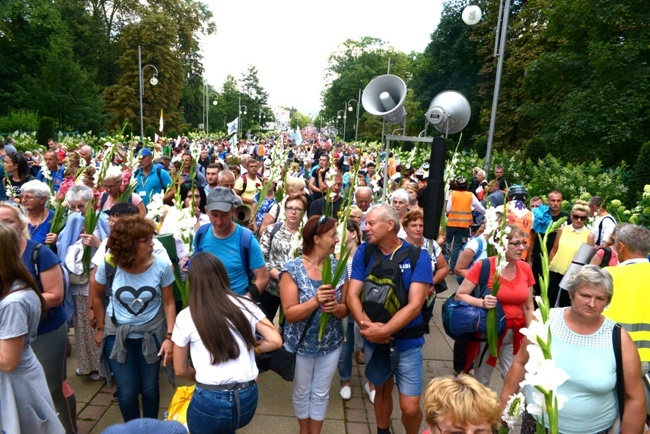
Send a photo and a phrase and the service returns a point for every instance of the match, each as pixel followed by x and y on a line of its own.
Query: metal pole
pixel 497 82
pixel 141 92
pixel 356 125
pixel 238 122
pixel 383 136
pixel 207 109
pixel 345 119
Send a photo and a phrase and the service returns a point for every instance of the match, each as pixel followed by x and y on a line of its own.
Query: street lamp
pixel 153 81
pixel 356 124
pixel 240 112
pixel 259 117
pixel 206 104
pixel 338 116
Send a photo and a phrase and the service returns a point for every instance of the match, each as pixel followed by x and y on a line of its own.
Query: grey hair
pixel 386 213
pixel 20 216
pixel 37 188
pixel 113 173
pixel 401 194
pixel 79 193
pixel 635 237
pixel 594 276
pixel 363 189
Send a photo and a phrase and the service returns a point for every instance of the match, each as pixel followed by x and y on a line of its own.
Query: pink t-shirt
pixel 513 294
pixel 135 200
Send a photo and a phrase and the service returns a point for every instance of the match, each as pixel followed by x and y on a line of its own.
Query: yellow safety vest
pixel 630 306
pixel 460 215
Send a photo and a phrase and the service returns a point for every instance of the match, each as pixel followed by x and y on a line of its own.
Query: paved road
pixel 274 412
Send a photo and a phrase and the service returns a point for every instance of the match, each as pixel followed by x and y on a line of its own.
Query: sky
pixel 289 41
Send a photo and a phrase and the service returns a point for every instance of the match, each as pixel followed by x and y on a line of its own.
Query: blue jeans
pixel 215 411
pixel 455 239
pixel 345 360
pixel 134 377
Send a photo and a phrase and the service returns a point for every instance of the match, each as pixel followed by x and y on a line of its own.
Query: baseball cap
pixel 147 426
pixel 146 152
pixel 220 199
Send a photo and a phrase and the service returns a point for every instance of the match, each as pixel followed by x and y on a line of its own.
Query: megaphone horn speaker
pixel 449 112
pixel 384 95
pixel 242 215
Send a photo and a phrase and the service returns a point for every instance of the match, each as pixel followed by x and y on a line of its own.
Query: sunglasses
pixel 579 217
pixel 321 220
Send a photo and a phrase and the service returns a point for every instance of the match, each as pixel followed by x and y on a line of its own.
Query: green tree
pixel 253 97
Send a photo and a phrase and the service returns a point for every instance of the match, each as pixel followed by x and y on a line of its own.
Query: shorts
pixel 409 372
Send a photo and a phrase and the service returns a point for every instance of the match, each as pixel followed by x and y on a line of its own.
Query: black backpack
pixel 383 289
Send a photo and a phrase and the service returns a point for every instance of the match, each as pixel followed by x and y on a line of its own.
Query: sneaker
pixel 96 376
pixel 360 358
pixel 371 393
pixel 346 393
pixel 116 397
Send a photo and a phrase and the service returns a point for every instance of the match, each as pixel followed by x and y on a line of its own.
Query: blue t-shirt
pixel 228 252
pixel 3 191
pixel 151 184
pixel 57 178
pixel 46 259
pixel 39 232
pixel 423 273
pixel 136 298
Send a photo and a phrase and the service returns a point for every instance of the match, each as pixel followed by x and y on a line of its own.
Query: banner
pixel 233 127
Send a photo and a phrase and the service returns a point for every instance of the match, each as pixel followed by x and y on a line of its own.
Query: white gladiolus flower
pixel 155 206
pixel 536 331
pixel 548 376
pixel 535 358
pixel 513 410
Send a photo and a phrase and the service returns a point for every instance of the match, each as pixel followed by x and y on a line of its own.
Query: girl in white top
pixel 219 330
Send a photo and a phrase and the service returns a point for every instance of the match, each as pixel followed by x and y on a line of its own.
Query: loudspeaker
pixel 243 214
pixel 434 193
pixel 384 96
pixel 449 112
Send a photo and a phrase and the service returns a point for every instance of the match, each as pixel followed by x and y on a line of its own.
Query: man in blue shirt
pixel 56 172
pixel 151 180
pixel 224 240
pixel 382 226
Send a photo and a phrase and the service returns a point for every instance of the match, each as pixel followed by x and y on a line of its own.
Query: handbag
pixel 282 361
pixel 461 320
pixel 620 381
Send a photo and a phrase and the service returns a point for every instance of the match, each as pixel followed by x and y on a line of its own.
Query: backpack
pixel 600 229
pixel 481 247
pixel 110 269
pixel 245 242
pixel 607 256
pixel 383 289
pixel 36 261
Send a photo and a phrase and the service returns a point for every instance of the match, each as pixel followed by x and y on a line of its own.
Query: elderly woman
pixel 112 184
pixel 18 173
pixel 70 247
pixel 400 200
pixel 583 348
pixel 276 212
pixel 26 403
pixel 460 404
pixel 277 243
pixel 50 347
pixel 516 298
pixel 567 242
pixel 35 196
pixel 304 299
pixel 135 328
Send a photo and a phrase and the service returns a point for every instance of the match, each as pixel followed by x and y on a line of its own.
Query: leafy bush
pixel 640 174
pixel 150 132
pixel 45 131
pixel 21 120
pixel 93 128
pixel 128 130
pixel 172 133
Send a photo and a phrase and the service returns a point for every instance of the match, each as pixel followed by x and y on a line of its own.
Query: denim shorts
pixel 215 411
pixel 408 375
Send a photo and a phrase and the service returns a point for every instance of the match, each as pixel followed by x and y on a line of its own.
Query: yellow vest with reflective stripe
pixel 630 306
pixel 460 215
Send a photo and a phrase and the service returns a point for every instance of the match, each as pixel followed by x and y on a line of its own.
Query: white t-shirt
pixel 238 370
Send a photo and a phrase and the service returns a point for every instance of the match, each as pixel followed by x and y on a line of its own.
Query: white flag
pixel 160 127
pixel 233 127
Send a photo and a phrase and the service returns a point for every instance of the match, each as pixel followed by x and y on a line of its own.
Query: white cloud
pixel 289 41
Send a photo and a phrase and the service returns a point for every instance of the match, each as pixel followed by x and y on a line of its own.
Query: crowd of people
pixel 204 255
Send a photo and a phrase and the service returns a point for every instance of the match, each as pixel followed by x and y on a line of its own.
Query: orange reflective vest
pixel 460 215
pixel 524 223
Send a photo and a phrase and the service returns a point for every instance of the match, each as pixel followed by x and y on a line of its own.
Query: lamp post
pixel 153 81
pixel 356 124
pixel 338 116
pixel 239 113
pixel 259 117
pixel 345 120
pixel 471 15
pixel 206 103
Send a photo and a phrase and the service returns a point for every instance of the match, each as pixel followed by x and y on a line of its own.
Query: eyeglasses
pixel 579 217
pixel 296 210
pixel 517 244
pixel 452 431
pixel 145 240
pixel 27 197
